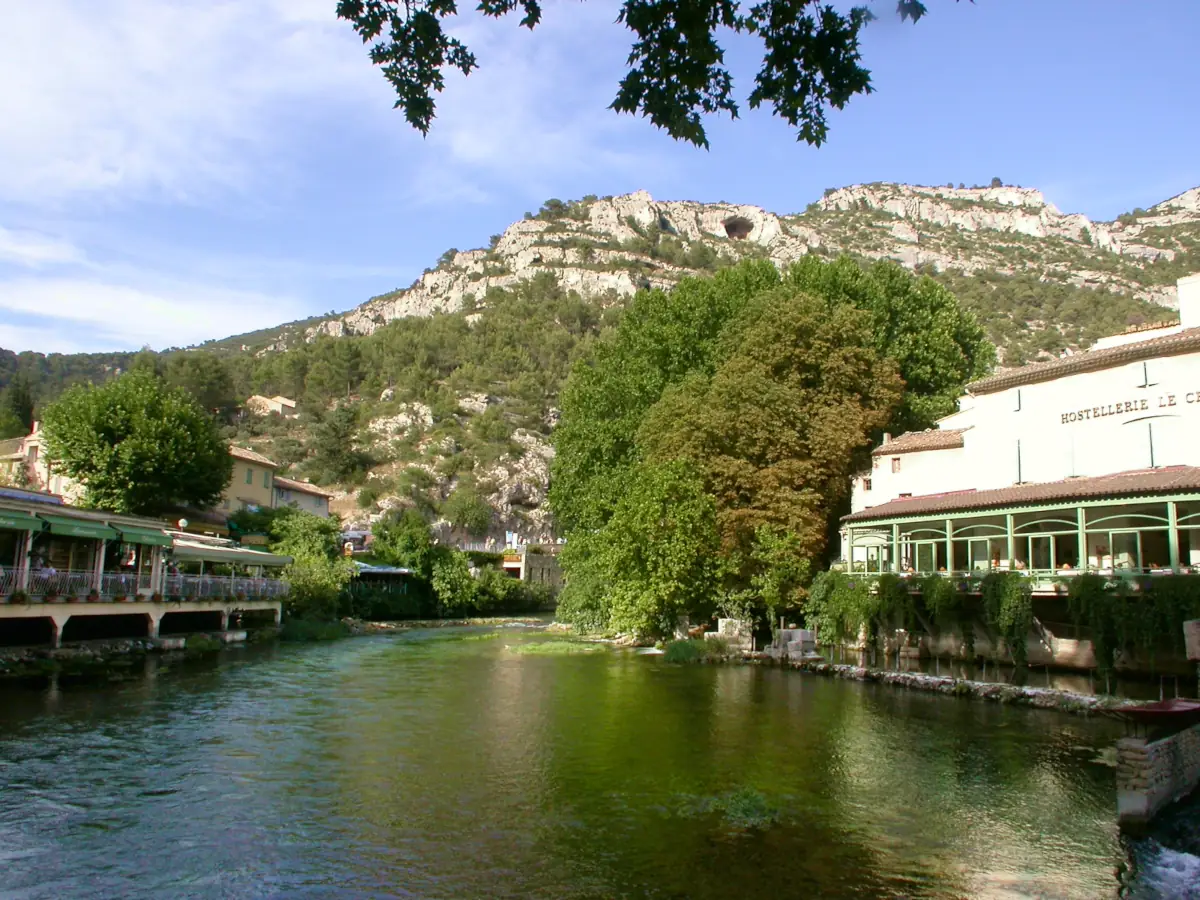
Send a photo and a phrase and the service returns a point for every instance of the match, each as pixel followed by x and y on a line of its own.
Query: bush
pixel 305 630
pixel 696 650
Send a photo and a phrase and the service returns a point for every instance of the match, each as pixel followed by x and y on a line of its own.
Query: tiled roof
pixel 915 441
pixel 1089 361
pixel 302 486
pixel 251 456
pixel 11 447
pixel 1170 479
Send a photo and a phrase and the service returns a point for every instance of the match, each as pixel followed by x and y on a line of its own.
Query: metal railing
pixel 129 585
pixel 49 583
pixel 205 586
pixel 859 568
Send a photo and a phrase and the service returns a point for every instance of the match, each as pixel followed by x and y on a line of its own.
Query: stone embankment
pixel 1154 774
pixel 1041 698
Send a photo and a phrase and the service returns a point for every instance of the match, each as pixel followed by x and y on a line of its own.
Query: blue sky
pixel 178 170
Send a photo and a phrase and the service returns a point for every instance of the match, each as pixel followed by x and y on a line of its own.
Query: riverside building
pixel 1089 462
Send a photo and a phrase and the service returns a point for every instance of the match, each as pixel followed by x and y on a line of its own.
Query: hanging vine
pixel 1008 607
pixel 1141 616
pixel 946 603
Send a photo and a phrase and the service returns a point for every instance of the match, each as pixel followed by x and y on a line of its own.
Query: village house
pixel 264 406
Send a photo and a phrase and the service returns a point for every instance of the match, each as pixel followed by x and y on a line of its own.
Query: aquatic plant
pixel 555 648
pixel 696 650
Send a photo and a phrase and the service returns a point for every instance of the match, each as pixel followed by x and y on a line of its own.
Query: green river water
pixel 446 763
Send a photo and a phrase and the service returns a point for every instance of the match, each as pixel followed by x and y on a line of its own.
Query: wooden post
pixel 896 548
pixel 1012 541
pixel 949 547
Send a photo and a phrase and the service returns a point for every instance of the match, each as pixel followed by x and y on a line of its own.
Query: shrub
pixel 304 630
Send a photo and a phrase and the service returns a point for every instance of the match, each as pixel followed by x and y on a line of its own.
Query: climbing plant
pixel 840 606
pixel 1140 616
pixel 946 603
pixel 1008 608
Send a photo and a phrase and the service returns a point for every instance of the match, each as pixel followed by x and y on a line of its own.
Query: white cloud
pixel 145 97
pixel 70 313
pixel 536 108
pixel 34 250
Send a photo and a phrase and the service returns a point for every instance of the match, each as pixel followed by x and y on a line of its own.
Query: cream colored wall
pixel 261 492
pixel 1094 423
pixel 318 506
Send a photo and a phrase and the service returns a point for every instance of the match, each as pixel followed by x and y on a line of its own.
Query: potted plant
pixel 72 599
pixel 119 598
pixel 156 597
pixel 19 597
pixel 93 596
pixel 51 598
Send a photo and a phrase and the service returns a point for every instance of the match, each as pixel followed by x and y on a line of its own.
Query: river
pixel 447 763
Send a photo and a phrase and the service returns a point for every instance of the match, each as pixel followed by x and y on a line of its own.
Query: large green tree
pixel 206 377
pixel 654 560
pixel 771 388
pixel 677 70
pixel 16 405
pixel 137 445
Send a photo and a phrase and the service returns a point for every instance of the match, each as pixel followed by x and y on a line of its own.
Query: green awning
pixel 132 534
pixel 19 521
pixel 84 528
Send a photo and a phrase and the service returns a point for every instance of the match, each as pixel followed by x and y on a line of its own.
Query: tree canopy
pixel 677 70
pixel 705 449
pixel 136 445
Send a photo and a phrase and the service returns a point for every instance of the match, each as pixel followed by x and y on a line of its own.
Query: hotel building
pixel 1089 462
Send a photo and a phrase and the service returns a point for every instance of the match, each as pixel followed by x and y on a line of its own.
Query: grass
pixel 555 648
pixel 696 650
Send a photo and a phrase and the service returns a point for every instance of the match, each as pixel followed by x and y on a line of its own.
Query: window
pixel 266 478
pixel 249 475
pixel 866 484
pixel 895 464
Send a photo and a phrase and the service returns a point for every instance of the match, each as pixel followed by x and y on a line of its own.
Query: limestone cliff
pixel 600 246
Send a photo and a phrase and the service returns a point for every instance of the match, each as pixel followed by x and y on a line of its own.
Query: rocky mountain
pixel 454 380
pixel 614 245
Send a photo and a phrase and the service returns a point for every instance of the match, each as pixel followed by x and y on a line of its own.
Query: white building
pixel 1090 461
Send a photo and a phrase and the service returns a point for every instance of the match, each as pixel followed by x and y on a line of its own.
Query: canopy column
pixel 1173 534
pixel 98 568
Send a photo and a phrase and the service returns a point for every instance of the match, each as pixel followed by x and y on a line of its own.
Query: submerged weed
pixel 554 648
pixel 741 810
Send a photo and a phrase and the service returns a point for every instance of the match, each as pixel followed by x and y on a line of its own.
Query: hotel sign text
pixel 1129 407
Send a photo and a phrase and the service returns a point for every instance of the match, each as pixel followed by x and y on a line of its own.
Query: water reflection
pixel 435 766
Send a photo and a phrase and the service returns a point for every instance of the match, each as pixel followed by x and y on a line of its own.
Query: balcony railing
pixel 203 586
pixel 1035 575
pixel 43 583
pixel 118 585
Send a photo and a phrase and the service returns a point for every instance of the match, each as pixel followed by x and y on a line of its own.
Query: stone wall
pixel 1152 775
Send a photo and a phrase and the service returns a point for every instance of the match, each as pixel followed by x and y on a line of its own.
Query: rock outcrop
pixel 599 247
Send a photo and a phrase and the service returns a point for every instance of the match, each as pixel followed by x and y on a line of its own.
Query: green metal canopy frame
pixel 19 521
pixel 84 528
pixel 133 534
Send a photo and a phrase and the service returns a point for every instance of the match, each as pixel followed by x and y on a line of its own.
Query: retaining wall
pixel 1152 775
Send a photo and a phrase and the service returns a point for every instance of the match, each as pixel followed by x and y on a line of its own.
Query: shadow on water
pixel 444 764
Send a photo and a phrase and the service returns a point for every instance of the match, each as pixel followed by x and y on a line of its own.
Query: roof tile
pixel 1089 361
pixel 1170 479
pixel 915 441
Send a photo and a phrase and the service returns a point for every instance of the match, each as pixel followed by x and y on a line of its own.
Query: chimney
pixel 1189 301
pixel 887 437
